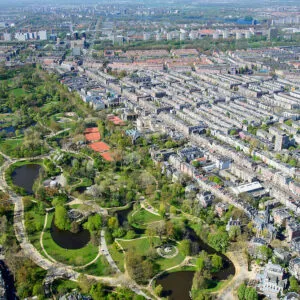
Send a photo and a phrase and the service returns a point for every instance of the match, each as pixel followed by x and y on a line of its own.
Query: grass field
pixel 142 246
pixel 99 268
pixel 9 145
pixel 76 257
pixel 142 217
pixel 117 256
pixel 36 220
pixel 18 92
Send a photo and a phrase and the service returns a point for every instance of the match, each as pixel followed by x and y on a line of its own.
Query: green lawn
pixel 33 220
pixel 117 256
pixel 9 145
pixel 73 257
pixel 142 247
pixel 18 92
pixel 63 286
pixel 1 160
pixel 48 105
pixel 142 217
pixel 100 268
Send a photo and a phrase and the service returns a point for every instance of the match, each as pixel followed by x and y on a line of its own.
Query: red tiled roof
pixel 92 134
pixel 107 156
pixel 99 147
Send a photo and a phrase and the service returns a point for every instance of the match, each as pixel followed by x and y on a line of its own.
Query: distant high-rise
pixel 281 142
pixel 272 33
pixel 42 35
pixel 7 37
pixel 182 35
pixel 146 36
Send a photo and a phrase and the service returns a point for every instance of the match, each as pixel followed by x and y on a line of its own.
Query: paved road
pixel 104 250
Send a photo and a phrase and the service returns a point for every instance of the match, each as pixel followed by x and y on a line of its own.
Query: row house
pixel 292 229
pixel 294 267
pixel 289 129
pixel 286 199
pixel 249 104
pixel 242 173
pixel 295 245
pixel 280 216
pixel 272 279
pixel 277 164
pixel 205 199
pixel 221 208
pixel 292 102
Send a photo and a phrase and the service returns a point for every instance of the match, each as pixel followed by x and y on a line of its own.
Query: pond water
pixel 81 189
pixel 177 285
pixel 24 176
pixel 10 129
pixel 69 240
pixel 122 216
pixel 9 281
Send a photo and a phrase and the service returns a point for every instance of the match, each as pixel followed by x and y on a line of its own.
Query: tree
pixel 85 284
pixel 234 232
pixel 113 223
pixel 294 285
pixel 169 229
pixel 246 293
pixel 74 227
pixel 199 281
pixel 264 252
pixel 61 218
pixel 158 290
pixel 160 228
pixel 216 262
pixel 150 233
pixel 218 241
pixel 241 291
pixel 94 223
pixel 138 269
pixel 185 247
pixel 251 294
pixel 97 291
pixel 200 264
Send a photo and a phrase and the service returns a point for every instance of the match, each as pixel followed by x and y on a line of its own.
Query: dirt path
pixel 239 260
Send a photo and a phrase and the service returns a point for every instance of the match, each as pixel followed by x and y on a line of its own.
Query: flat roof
pixel 248 187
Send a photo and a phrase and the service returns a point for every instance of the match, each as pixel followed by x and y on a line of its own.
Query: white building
pixel 42 35
pixel 20 36
pixel 7 37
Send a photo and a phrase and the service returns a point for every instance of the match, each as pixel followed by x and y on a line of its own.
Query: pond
pixel 81 189
pixel 122 216
pixel 69 240
pixel 9 129
pixel 24 176
pixel 177 285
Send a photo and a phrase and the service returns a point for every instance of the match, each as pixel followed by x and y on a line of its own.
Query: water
pixel 177 285
pixel 69 240
pixel 10 129
pixel 9 281
pixel 25 176
pixel 122 216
